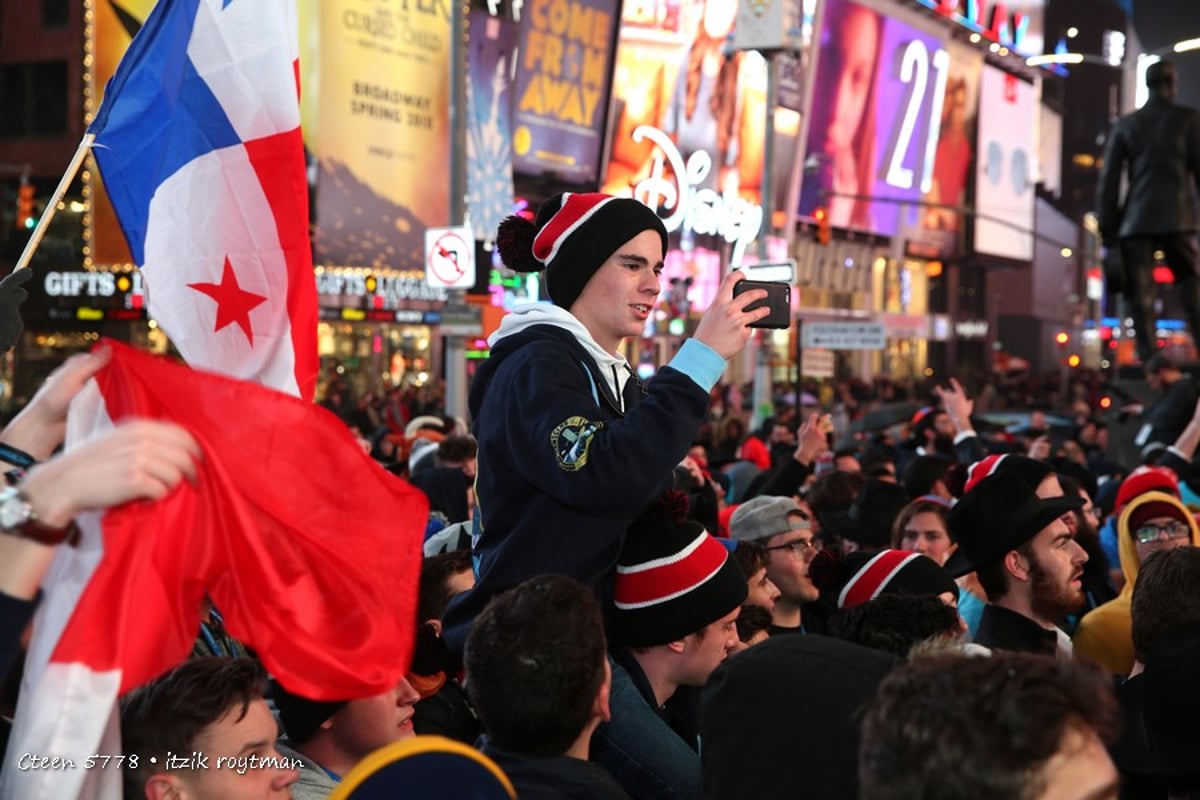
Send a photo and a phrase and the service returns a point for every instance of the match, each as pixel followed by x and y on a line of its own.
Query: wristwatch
pixel 17 518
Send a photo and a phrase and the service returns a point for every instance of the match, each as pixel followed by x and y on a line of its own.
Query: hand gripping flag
pixel 198 141
pixel 310 550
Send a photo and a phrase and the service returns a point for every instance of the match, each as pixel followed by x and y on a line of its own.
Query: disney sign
pixel 692 207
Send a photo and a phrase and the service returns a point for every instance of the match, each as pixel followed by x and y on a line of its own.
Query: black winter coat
pixel 1159 144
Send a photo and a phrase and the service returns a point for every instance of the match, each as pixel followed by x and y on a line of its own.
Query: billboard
pixel 1050 149
pixel 687 133
pixel 1017 24
pixel 489 123
pixel 113 29
pixel 939 224
pixel 560 99
pixel 375 99
pixel 877 109
pixel 1006 168
pixel 374 78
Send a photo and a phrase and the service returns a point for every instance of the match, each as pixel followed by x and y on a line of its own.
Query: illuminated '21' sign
pixel 913 65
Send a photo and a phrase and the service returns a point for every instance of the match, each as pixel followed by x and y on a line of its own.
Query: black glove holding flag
pixel 12 294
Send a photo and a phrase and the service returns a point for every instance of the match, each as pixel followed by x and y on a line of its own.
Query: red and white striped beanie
pixel 894 572
pixel 673 578
pixel 573 235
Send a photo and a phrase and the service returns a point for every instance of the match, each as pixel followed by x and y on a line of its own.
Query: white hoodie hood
pixel 613 367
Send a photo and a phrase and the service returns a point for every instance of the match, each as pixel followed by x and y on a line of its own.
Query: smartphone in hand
pixel 779 300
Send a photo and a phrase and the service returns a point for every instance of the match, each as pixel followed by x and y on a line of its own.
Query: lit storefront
pixel 67 312
pixel 378 330
pixel 901 299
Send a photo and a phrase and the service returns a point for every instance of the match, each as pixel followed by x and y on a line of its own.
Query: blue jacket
pixel 564 464
pixel 638 746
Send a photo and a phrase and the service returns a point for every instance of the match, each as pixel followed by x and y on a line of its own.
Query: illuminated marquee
pixel 691 206
pixel 991 20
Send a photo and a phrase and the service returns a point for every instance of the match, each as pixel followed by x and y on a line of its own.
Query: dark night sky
pixel 1160 23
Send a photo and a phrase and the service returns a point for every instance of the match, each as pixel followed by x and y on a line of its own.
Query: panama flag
pixel 311 551
pixel 198 141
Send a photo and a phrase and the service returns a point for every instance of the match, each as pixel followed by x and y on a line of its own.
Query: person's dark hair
pixel 878 458
pixel 169 713
pixel 751 557
pixel 950 727
pixel 1070 483
pixel 535 661
pixel 1160 73
pixel 879 471
pixel 1074 476
pixel 879 453
pixel 834 491
pixel 751 621
pixel 845 452
pixel 993 576
pixel 731 429
pixel 922 473
pixel 918 506
pixel 956 479
pixel 456 449
pixel 1159 363
pixel 433 594
pixel 926 423
pixel 1165 596
pixel 894 623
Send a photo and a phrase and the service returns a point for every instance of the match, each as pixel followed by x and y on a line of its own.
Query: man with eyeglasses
pixel 783 529
pixel 1150 523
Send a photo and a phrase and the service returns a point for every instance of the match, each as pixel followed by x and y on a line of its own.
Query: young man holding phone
pixel 572 447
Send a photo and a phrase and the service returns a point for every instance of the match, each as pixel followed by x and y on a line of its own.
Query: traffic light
pixel 1062 337
pixel 25 194
pixel 824 234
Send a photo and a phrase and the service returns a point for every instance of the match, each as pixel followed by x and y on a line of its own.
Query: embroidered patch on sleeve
pixel 571 440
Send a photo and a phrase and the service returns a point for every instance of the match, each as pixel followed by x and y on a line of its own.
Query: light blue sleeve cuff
pixel 700 363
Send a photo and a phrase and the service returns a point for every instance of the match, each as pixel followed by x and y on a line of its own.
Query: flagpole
pixel 52 204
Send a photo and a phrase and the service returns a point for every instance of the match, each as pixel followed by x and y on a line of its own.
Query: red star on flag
pixel 233 303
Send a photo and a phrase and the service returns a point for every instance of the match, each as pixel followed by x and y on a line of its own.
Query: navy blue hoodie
pixel 569 454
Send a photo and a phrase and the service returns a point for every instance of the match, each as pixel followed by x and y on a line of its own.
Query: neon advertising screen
pixel 1007 165
pixel 687 133
pixel 886 95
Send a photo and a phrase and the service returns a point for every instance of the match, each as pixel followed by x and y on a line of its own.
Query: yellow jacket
pixel 1105 633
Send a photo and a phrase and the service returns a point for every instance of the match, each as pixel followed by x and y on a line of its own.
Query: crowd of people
pixel 629 592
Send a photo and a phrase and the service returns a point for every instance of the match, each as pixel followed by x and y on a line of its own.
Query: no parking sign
pixel 450 257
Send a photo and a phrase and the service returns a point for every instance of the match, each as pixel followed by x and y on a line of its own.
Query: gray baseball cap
pixel 765 516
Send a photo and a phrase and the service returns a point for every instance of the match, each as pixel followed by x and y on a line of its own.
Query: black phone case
pixel 779 300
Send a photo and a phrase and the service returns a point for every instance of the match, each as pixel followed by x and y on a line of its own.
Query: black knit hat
pixel 673 578
pixel 574 234
pixel 300 716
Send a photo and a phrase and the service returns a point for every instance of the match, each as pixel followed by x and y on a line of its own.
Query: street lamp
pixel 1144 60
